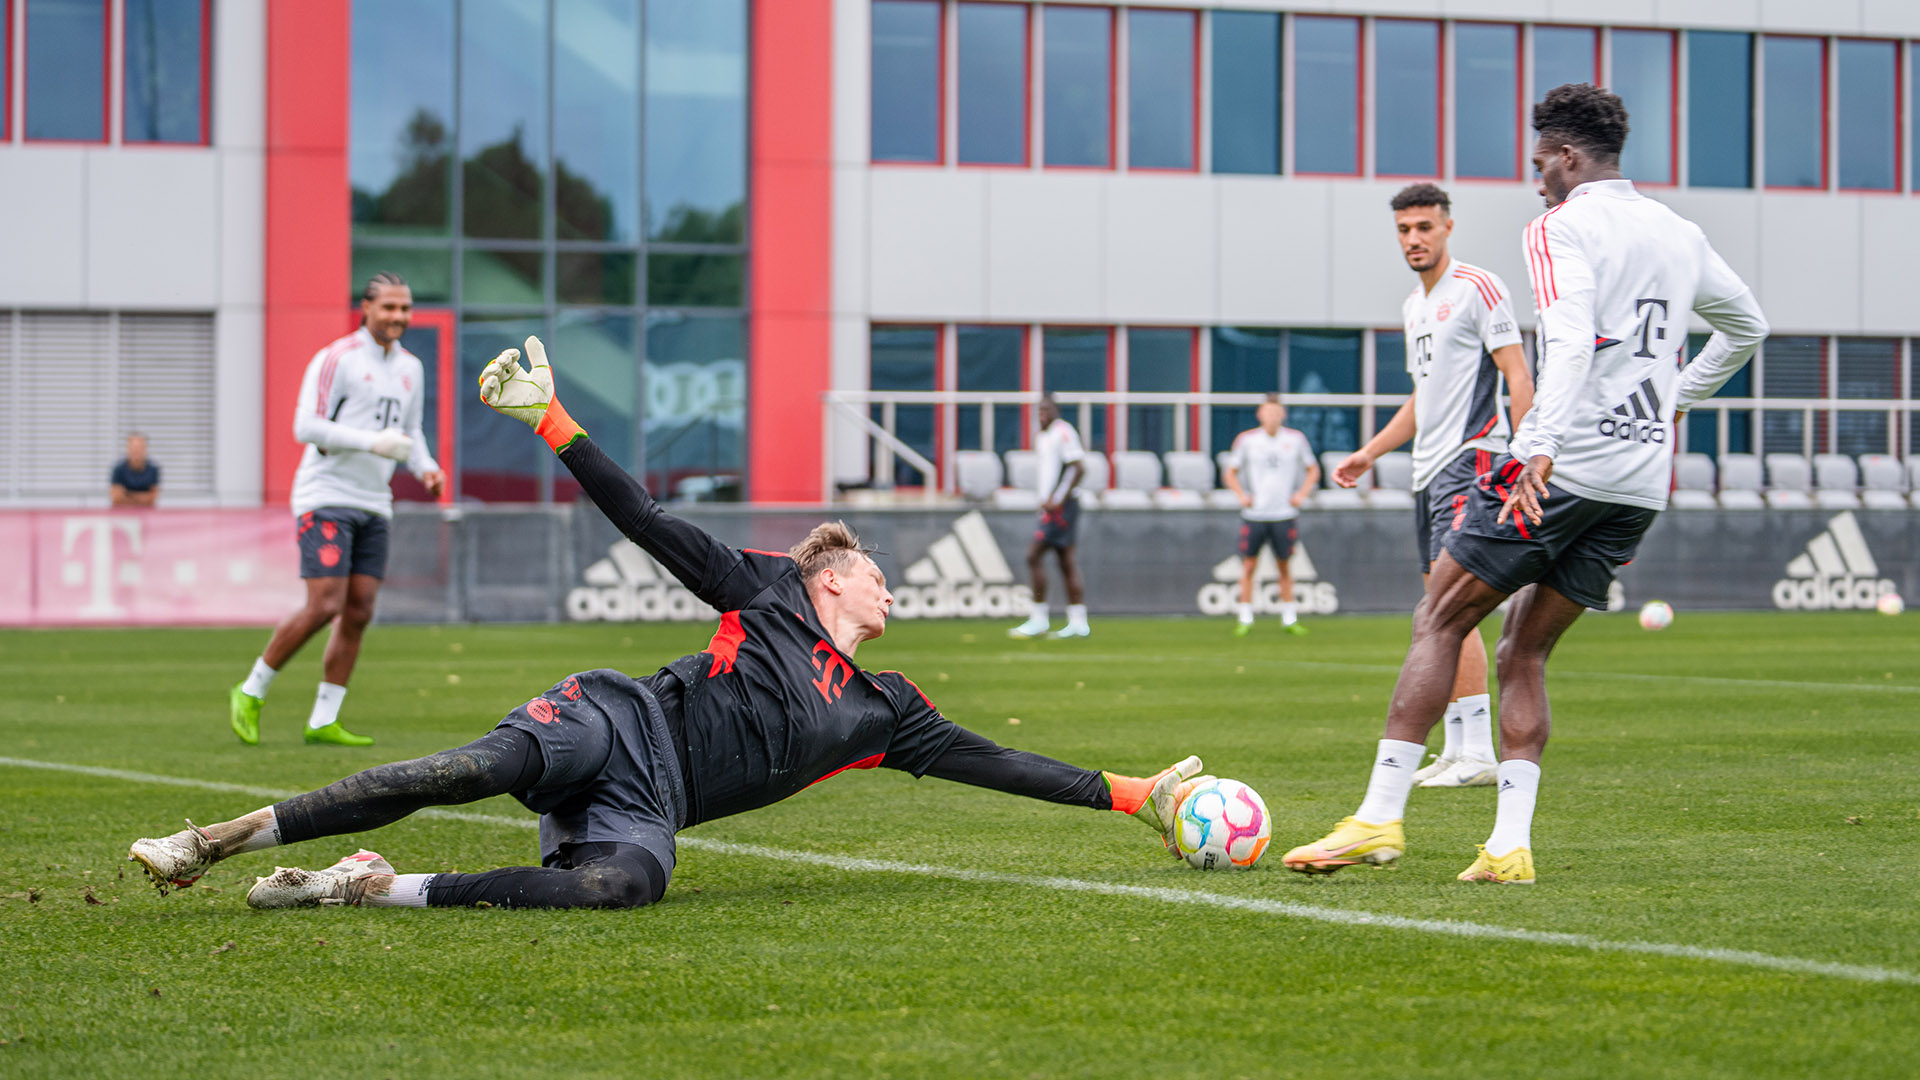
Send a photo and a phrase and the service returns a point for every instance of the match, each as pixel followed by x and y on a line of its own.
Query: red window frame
pixel 1899 118
pixel 1439 98
pixel 106 79
pixel 1826 113
pixel 1026 86
pixel 940 93
pixel 1359 90
pixel 1113 88
pixel 1194 72
pixel 1524 152
pixel 206 86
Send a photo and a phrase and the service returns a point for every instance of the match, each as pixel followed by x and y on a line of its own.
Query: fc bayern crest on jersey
pixel 1445 311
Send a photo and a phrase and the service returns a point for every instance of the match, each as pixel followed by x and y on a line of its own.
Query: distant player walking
pixel 1061 462
pixel 1461 340
pixel 617 765
pixel 359 412
pixel 1615 276
pixel 1271 469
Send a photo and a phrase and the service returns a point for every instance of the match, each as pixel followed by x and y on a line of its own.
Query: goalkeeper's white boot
pixel 177 861
pixel 1462 772
pixel 1441 763
pixel 346 882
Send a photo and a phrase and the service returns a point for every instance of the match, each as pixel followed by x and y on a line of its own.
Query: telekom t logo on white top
pixel 98 568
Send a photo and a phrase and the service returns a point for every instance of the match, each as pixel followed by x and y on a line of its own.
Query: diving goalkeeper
pixel 615 765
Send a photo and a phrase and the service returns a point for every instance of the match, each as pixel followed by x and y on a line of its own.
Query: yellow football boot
pixel 1513 868
pixel 1352 841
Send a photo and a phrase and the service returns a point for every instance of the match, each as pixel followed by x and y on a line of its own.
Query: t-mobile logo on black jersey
pixel 963 575
pixel 1637 419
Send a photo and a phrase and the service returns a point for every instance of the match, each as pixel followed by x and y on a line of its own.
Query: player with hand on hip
pixel 616 765
pixel 1272 470
pixel 1461 340
pixel 1615 276
pixel 359 412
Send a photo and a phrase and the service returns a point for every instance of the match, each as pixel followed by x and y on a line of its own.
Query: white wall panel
pixel 1810 260
pixel 153 233
pixel 1887 272
pixel 239 384
pixel 1161 249
pixel 1731 220
pixel 1832 16
pixel 927 243
pixel 851 226
pixel 1275 236
pixel 1709 14
pixel 243 220
pixel 1612 12
pixel 1890 17
pixel 1045 245
pixel 1487 222
pixel 240 75
pixel 1366 273
pixel 44 193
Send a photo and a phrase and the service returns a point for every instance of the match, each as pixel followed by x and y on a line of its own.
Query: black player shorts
pixel 1278 535
pixel 1443 499
pixel 611 770
pixel 1060 528
pixel 1575 549
pixel 336 541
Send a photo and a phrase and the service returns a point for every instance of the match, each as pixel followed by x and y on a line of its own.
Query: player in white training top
pixel 1061 464
pixel 1272 471
pixel 1461 340
pixel 359 413
pixel 1615 277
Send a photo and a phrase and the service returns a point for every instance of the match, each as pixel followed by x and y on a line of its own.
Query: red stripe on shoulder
pixel 871 761
pixel 769 554
pixel 1488 290
pixel 725 645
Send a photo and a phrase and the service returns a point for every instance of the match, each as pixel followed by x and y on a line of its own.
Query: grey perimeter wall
pixel 567 563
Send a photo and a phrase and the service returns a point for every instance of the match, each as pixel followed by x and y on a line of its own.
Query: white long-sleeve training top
pixel 353 389
pixel 1615 276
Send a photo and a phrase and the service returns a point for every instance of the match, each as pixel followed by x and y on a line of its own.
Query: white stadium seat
pixel 1394 470
pixel 1136 470
pixel 1883 482
pixel 1022 469
pixel 1789 482
pixel 1836 482
pixel 1168 498
pixel 1388 498
pixel 1126 499
pixel 1099 475
pixel 1693 483
pixel 1011 498
pixel 977 473
pixel 1339 499
pixel 1740 482
pixel 1223 499
pixel 1689 499
pixel 1189 470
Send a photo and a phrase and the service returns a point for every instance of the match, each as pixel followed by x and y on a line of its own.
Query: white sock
pixel 262 838
pixel 259 679
pixel 1290 614
pixel 1392 779
pixel 1245 611
pixel 326 705
pixel 1039 614
pixel 1513 821
pixel 409 890
pixel 1076 614
pixel 1476 727
pixel 1450 750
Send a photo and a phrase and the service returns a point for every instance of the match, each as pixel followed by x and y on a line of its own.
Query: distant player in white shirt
pixel 359 413
pixel 1061 464
pixel 1615 276
pixel 1461 342
pixel 1272 471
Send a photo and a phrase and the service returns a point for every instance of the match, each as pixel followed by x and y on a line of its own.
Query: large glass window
pixel 993 84
pixel 602 358
pixel 1564 54
pixel 1325 362
pixel 1719 109
pixel 694 414
pixel 1079 90
pixel 1486 59
pixel 1161 84
pixel 1796 111
pixel 165 72
pixel 596 120
pixel 401 145
pixel 1246 360
pixel 1795 367
pixel 1643 76
pixel 503 119
pixel 1867 369
pixel 1326 58
pixel 1246 91
pixel 906 80
pixel 1407 97
pixel 1075 358
pixel 495 469
pixel 990 358
pixel 1869 114
pixel 904 358
pixel 1390 375
pixel 696 112
pixel 66 86
pixel 1159 361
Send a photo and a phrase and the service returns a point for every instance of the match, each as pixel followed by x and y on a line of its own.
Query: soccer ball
pixel 1891 604
pixel 1656 615
pixel 1221 824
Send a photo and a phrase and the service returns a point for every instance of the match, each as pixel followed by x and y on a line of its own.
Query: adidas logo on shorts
pixel 963 575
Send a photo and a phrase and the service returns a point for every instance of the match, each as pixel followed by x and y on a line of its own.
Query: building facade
pixel 756 231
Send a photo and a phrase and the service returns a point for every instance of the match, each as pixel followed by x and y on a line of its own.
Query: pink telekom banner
pixel 150 568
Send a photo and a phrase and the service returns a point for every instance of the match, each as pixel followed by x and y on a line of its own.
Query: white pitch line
pixel 1284 908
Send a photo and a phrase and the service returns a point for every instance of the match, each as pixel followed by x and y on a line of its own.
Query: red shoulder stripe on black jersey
pixel 770 554
pixel 725 645
pixel 870 762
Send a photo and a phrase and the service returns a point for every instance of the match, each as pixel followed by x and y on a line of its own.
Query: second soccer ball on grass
pixel 1656 615
pixel 1221 825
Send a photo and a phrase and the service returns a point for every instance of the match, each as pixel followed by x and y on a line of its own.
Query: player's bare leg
pixel 1537 618
pixel 1467 756
pixel 1076 595
pixel 1455 603
pixel 343 649
pixel 325 599
pixel 1038 620
pixel 1243 624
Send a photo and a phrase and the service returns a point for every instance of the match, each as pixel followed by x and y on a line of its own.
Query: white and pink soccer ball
pixel 1221 825
pixel 1656 615
pixel 1890 604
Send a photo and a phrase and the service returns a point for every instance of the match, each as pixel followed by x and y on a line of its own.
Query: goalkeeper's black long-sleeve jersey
pixel 772 706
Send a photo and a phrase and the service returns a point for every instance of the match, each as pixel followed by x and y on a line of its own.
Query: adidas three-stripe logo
pixel 1638 417
pixel 963 573
pixel 1652 403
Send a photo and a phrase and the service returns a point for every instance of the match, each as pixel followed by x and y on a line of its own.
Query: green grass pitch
pixel 1739 782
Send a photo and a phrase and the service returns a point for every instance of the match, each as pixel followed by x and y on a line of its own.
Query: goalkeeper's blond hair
pixel 831 544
